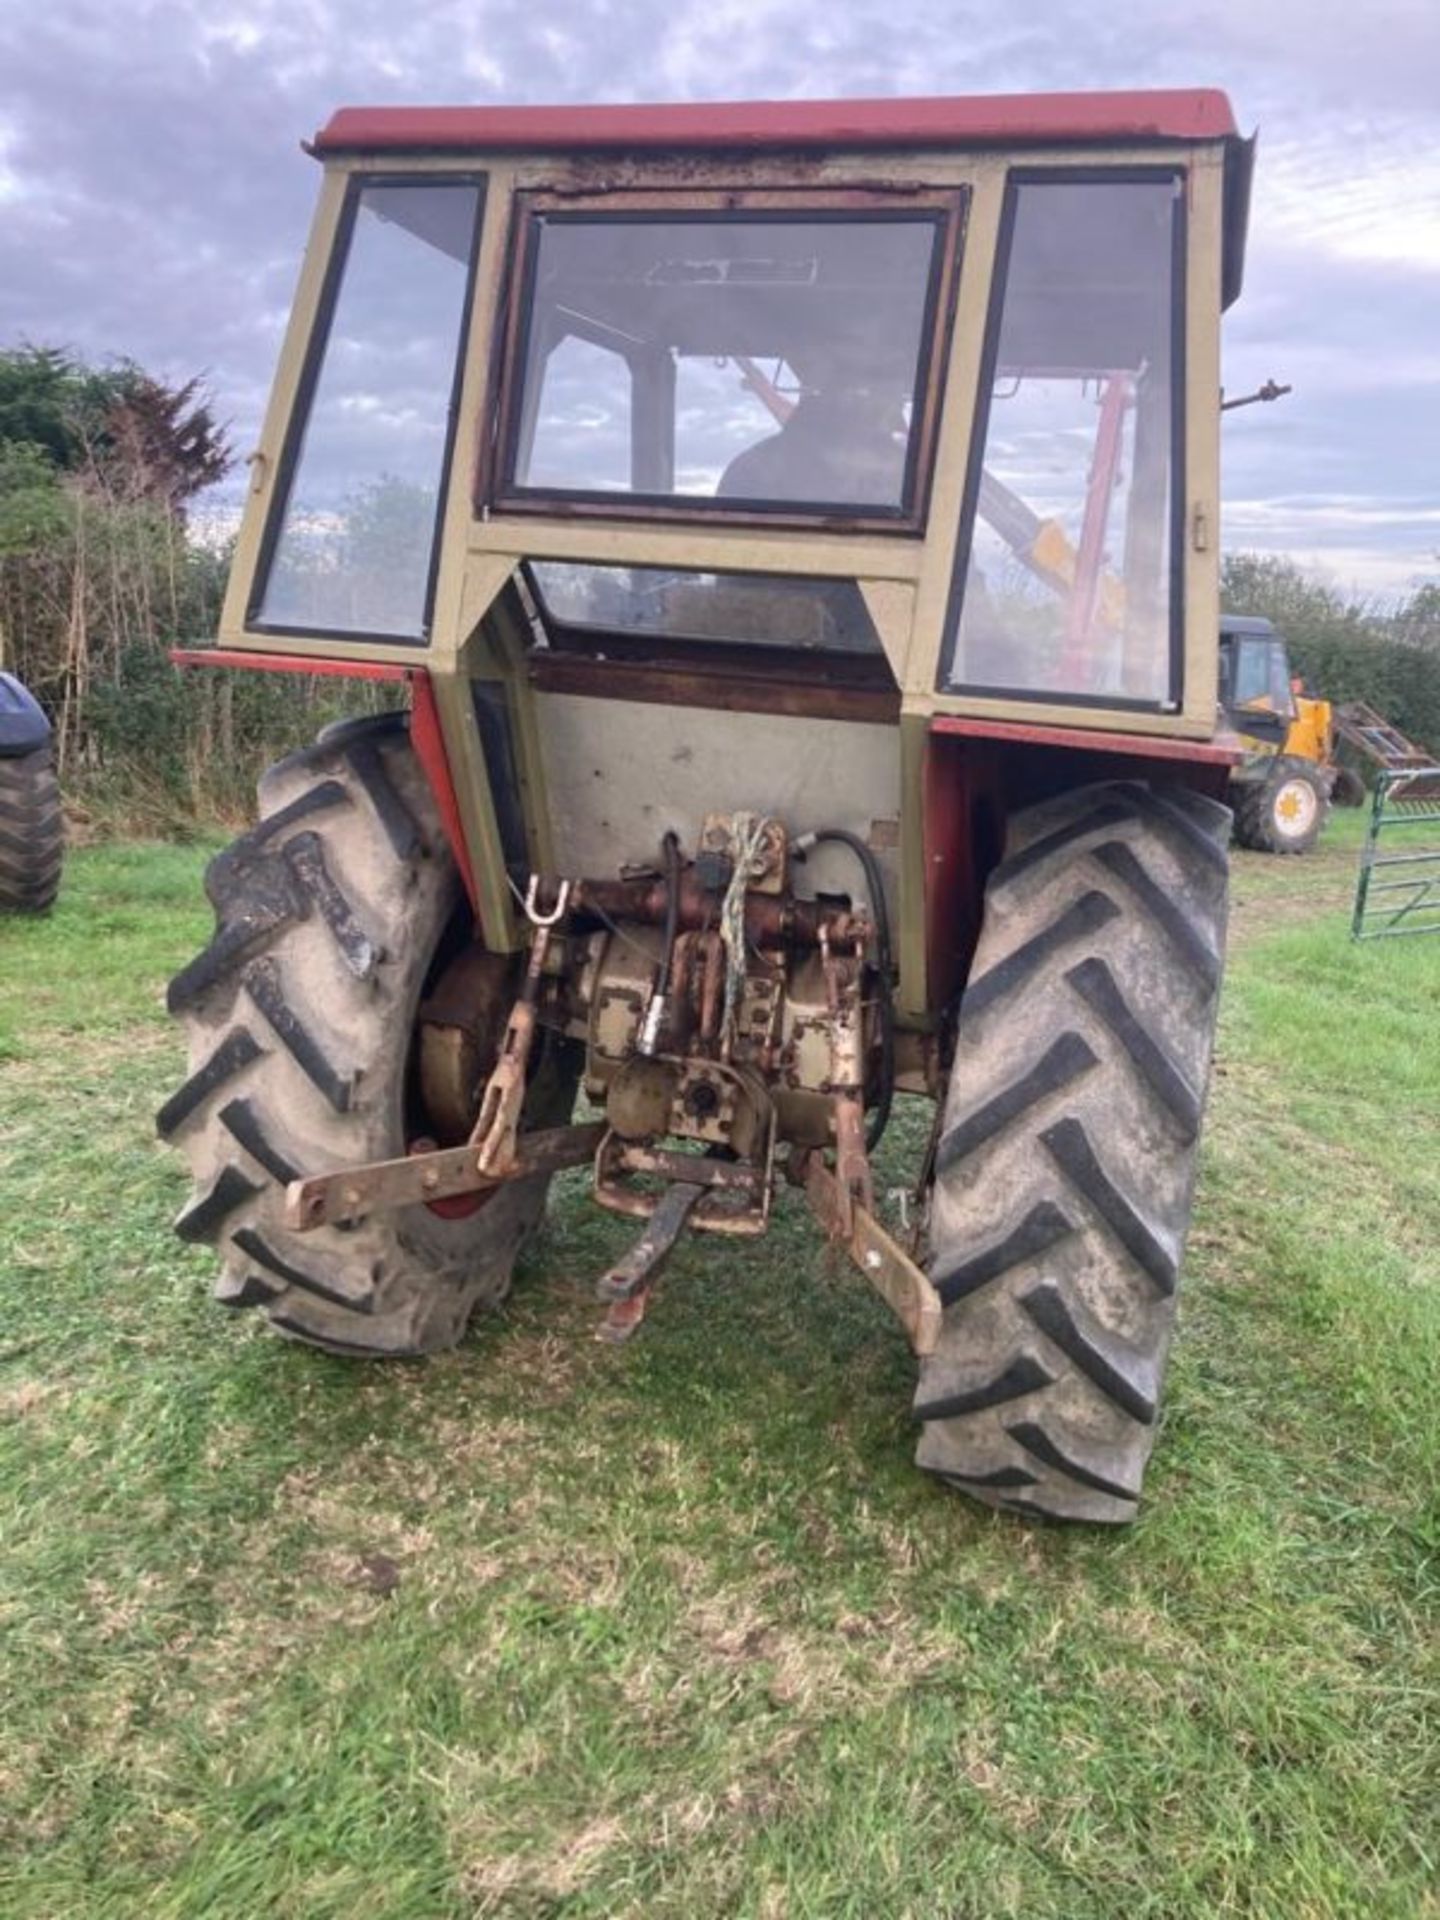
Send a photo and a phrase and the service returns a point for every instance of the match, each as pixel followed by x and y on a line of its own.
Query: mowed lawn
pixel 545 1628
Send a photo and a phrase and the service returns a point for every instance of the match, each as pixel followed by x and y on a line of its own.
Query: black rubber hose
pixel 880 1113
pixel 670 850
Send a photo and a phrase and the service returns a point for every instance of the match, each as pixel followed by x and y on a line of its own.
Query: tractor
pixel 1301 752
pixel 1283 787
pixel 791 534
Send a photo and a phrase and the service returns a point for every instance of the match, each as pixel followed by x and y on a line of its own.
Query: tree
pixel 159 443
pixel 116 430
pixel 97 466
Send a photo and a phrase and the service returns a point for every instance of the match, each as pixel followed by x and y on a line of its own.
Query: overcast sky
pixel 154 200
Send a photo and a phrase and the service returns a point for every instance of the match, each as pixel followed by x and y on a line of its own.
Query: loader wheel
pixel 32 833
pixel 334 915
pixel 1284 812
pixel 1065 1170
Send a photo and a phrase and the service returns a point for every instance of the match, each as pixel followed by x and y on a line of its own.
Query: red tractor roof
pixel 1001 119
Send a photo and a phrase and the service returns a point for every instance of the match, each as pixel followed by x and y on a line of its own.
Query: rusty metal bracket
pixel 627 1285
pixel 636 1271
pixel 853 1184
pixel 900 1283
pixel 735 1196
pixel 497 1128
pixel 690 1169
pixel 423 1177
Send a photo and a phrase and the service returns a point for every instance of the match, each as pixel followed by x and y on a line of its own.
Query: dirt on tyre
pixel 333 915
pixel 1286 811
pixel 1066 1165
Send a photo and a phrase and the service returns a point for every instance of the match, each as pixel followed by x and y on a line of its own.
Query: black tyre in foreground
pixel 1067 1163
pixel 1284 812
pixel 332 915
pixel 32 830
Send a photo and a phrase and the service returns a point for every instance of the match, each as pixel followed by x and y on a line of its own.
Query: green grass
pixel 677 1630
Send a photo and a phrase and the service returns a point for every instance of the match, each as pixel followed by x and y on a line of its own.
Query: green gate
pixel 1399 891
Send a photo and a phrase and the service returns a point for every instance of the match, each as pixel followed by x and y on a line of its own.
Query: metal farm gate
pixel 1398 890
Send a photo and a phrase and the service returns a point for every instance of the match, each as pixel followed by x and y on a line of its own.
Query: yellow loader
pixel 1281 791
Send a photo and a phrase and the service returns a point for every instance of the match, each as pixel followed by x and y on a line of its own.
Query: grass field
pixel 543 1628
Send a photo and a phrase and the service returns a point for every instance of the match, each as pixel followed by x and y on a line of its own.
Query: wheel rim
pixel 1296 808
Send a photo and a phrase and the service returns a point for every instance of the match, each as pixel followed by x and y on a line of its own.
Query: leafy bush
pixel 1346 649
pixel 174 750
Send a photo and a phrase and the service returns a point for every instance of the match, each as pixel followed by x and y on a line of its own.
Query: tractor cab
pixel 1257 693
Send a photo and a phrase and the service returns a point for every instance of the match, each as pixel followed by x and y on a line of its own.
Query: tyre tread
pixel 32 833
pixel 299 1009
pixel 1082 1054
pixel 263 983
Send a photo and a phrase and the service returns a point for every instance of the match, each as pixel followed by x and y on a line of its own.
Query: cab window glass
pixel 741 360
pixel 1252 671
pixel 1262 676
pixel 1066 587
pixel 748 610
pixel 355 519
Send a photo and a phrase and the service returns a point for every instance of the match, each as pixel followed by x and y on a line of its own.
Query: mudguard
pixel 23 726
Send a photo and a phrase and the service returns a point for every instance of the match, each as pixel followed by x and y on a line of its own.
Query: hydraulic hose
pixel 841 836
pixel 670 850
pixel 658 1006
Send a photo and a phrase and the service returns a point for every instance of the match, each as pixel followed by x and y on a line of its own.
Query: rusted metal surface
pixel 770 920
pixel 701 1172
pixel 452 1063
pixel 641 1096
pixel 421 1178
pixel 712 992
pixel 1222 751
pixel 901 1284
pixel 459 1030
pixel 847 1081
pixel 999 119
pixel 497 1129
pixel 852 1164
pixel 736 1201
pixel 768 864
pixel 636 1271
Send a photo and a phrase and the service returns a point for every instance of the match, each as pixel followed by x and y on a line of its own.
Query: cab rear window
pixel 742 361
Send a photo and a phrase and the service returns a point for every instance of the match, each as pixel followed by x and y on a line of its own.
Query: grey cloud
pixel 153 200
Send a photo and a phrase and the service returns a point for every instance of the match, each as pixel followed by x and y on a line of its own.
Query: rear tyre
pixel 1284 812
pixel 32 833
pixel 1067 1163
pixel 301 1014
